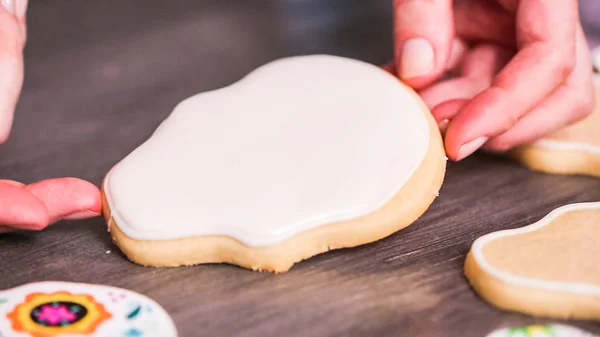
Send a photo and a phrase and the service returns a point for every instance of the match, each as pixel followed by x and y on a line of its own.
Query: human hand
pixel 13 33
pixel 37 205
pixel 523 68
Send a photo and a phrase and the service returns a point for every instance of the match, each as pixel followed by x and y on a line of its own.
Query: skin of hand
pixel 33 206
pixel 520 69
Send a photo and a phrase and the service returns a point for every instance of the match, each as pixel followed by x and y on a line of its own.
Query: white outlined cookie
pixel 573 150
pixel 48 309
pixel 303 155
pixel 549 268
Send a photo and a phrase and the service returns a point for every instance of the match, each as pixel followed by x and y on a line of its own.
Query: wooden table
pixel 101 75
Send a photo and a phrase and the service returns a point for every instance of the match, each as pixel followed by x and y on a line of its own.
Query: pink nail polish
pixel 470 147
pixel 81 215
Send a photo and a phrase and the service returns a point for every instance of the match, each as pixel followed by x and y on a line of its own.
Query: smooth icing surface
pixel 551 330
pixel 572 287
pixel 77 309
pixel 298 143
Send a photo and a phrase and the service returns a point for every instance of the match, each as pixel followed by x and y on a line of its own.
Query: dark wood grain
pixel 100 77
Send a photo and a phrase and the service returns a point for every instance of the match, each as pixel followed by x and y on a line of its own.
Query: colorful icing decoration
pixel 49 309
pixel 46 314
pixel 553 330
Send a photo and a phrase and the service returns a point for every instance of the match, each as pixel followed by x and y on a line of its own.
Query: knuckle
pixel 562 64
pixel 509 120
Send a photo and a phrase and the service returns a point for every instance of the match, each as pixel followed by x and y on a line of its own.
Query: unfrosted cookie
pixel 303 155
pixel 550 330
pixel 550 268
pixel 572 150
pixel 48 309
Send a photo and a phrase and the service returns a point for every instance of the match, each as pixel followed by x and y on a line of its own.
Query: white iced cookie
pixel 574 149
pixel 48 309
pixel 549 268
pixel 303 155
pixel 550 330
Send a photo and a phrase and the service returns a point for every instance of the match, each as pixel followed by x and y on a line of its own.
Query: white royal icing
pixel 298 143
pixel 80 309
pixel 571 287
pixel 562 145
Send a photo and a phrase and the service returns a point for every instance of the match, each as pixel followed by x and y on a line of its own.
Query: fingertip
pixel 66 197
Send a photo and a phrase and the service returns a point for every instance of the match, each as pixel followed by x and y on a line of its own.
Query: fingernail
pixel 21 8
pixel 81 215
pixel 470 147
pixel 417 58
pixel 443 125
pixel 9 5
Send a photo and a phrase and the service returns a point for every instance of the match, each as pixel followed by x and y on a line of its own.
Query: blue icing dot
pixel 133 332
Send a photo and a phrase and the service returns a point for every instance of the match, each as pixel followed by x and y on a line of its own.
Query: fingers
pixel 479 67
pixel 545 59
pixel 35 206
pixel 12 39
pixel 424 32
pixel 67 198
pixel 21 209
pixel 568 104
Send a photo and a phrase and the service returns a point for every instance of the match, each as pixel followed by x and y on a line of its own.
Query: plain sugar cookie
pixel 303 155
pixel 48 309
pixel 549 268
pixel 573 150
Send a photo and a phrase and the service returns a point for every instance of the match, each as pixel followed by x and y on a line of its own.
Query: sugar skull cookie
pixel 303 155
pixel 550 268
pixel 53 309
pixel 550 330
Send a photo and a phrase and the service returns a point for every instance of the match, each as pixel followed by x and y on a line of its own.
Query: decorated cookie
pixel 50 309
pixel 550 268
pixel 553 330
pixel 572 150
pixel 303 155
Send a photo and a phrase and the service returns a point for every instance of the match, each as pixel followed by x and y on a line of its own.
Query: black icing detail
pixel 72 313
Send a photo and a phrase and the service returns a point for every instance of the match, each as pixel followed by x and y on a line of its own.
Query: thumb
pixel 424 31
pixel 12 41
